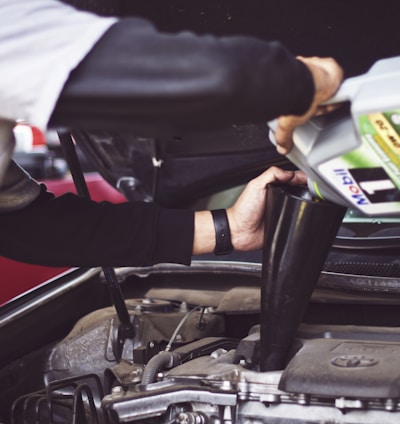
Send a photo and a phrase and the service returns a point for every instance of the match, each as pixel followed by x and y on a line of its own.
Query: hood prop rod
pixel 126 328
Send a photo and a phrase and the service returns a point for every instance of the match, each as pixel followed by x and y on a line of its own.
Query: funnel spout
pixel 299 232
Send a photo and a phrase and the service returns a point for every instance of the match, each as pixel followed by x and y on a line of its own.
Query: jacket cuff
pixel 304 90
pixel 175 232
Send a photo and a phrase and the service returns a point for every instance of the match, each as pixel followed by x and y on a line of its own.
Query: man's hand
pixel 327 75
pixel 246 216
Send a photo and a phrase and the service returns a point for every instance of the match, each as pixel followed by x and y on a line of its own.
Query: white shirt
pixel 41 42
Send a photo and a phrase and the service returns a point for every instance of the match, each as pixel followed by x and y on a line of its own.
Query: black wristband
pixel 223 244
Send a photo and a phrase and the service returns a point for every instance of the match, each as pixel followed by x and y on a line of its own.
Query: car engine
pixel 194 357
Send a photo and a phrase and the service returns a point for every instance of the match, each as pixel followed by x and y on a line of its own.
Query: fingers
pixel 299 178
pixel 275 174
pixel 284 134
pixel 288 177
pixel 246 215
pixel 323 109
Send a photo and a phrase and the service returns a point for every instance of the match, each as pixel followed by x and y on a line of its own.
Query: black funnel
pixel 299 232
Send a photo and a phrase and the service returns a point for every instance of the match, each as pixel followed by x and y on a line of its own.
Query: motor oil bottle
pixel 352 155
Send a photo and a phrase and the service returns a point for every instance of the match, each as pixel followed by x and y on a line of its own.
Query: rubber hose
pixel 163 360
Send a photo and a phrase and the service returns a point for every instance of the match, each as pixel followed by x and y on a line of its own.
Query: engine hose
pixel 177 329
pixel 163 360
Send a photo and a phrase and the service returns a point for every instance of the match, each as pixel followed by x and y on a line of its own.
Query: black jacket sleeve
pixel 153 83
pixel 71 231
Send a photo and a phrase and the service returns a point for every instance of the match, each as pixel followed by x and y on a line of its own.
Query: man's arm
pixel 127 75
pixel 72 231
pixel 154 83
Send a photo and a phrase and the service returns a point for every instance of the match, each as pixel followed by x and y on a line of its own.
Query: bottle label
pixel 368 177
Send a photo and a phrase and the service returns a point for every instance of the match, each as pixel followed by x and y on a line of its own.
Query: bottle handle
pixel 347 91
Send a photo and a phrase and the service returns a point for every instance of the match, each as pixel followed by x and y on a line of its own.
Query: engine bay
pixel 188 348
pixel 194 357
